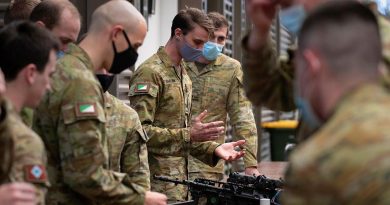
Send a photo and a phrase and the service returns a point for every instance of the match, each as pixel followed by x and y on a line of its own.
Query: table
pixel 273 170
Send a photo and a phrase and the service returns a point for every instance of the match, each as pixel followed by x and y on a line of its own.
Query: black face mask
pixel 105 80
pixel 124 59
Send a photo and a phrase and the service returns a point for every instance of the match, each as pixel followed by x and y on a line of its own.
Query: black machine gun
pixel 238 190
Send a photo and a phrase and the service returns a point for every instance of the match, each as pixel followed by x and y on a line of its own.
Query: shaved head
pixel 116 12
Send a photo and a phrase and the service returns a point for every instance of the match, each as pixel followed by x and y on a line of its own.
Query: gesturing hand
pixel 201 132
pixel 227 151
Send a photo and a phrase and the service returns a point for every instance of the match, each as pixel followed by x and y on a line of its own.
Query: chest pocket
pixel 172 105
pixel 215 93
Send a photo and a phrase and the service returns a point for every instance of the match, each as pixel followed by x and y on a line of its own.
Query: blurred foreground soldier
pixel 268 80
pixel 346 160
pixel 72 120
pixel 61 17
pixel 160 92
pixel 217 88
pixel 19 10
pixel 127 146
pixel 28 61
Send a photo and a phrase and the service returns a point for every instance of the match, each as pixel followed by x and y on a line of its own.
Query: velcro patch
pixel 86 109
pixel 142 88
pixel 35 173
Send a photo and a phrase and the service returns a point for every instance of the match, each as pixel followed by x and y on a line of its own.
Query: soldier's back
pixel 345 162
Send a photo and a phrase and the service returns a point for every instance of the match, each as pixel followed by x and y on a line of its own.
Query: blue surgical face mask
pixel 211 50
pixel 189 53
pixel 60 54
pixel 292 18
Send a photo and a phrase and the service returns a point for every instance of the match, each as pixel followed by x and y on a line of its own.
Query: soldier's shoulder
pixel 151 65
pixel 121 108
pixel 230 62
pixel 69 68
pixel 24 136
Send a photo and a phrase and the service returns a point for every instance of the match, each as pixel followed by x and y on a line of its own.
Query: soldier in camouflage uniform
pixel 268 80
pixel 160 91
pixel 28 61
pixel 217 87
pixel 127 146
pixel 71 119
pixel 345 161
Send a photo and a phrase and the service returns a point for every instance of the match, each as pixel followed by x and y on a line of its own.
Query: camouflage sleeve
pixel 29 164
pixel 160 139
pixel 268 80
pixel 242 119
pixel 204 151
pixel 134 162
pixel 81 145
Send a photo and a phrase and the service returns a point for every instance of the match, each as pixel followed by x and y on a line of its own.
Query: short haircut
pixel 23 43
pixel 346 35
pixel 50 11
pixel 218 20
pixel 187 18
pixel 19 10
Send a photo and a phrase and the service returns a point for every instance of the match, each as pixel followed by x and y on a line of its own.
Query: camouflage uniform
pixel 127 146
pixel 346 161
pixel 71 121
pixel 217 88
pixel 29 156
pixel 27 115
pixel 161 94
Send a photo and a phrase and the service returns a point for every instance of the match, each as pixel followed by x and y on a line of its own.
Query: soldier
pixel 268 80
pixel 61 17
pixel 160 91
pixel 127 146
pixel 19 10
pixel 28 61
pixel 71 119
pixel 345 161
pixel 16 192
pixel 217 87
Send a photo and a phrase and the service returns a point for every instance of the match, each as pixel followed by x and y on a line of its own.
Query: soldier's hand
pixel 252 171
pixel 227 151
pixel 261 13
pixel 201 132
pixel 18 193
pixel 155 198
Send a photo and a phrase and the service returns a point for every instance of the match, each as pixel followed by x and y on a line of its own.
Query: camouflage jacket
pixel 346 161
pixel 29 156
pixel 218 89
pixel 127 146
pixel 71 122
pixel 27 115
pixel 161 94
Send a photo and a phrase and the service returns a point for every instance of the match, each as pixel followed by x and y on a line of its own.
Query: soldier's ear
pixel 40 24
pixel 178 33
pixel 29 73
pixel 314 64
pixel 116 32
